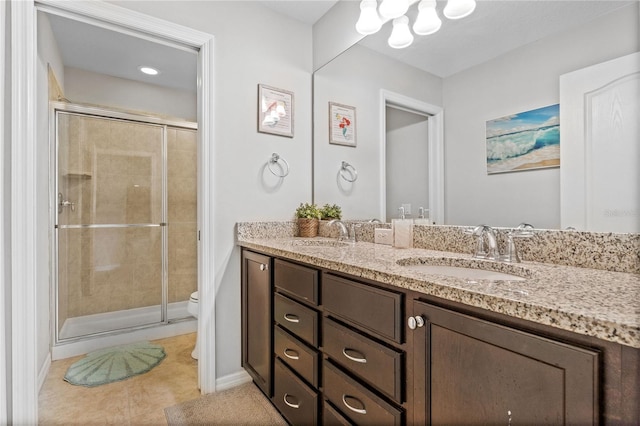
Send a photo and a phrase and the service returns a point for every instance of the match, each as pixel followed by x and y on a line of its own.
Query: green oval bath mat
pixel 114 364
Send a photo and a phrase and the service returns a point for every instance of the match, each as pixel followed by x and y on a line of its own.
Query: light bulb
pixel 458 9
pixel 401 36
pixel 392 9
pixel 427 21
pixel 369 21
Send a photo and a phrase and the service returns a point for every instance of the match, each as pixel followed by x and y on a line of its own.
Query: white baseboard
pixel 44 370
pixel 232 380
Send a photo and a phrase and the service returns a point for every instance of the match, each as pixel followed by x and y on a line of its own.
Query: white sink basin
pixel 465 273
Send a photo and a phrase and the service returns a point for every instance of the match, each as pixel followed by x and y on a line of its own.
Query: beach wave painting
pixel 524 141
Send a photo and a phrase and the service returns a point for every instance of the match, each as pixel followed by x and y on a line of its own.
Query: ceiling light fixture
pixel 401 36
pixel 369 21
pixel 391 9
pixel 427 22
pixel 458 9
pixel 148 70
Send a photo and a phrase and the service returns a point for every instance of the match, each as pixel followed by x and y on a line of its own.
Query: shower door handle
pixel 65 203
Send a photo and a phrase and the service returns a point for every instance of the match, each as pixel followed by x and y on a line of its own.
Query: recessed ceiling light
pixel 148 70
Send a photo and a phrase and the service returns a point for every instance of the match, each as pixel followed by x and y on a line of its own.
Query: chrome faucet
pixel 485 233
pixel 511 253
pixel 344 233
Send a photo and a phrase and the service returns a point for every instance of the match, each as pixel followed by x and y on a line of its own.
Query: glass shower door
pixel 111 234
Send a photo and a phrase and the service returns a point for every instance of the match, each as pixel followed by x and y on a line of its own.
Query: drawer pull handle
pixel 355 410
pixel 291 318
pixel 284 398
pixel 361 360
pixel 294 357
pixel 263 267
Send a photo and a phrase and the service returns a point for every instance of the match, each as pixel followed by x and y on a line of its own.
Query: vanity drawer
pixel 376 364
pixel 297 355
pixel 332 417
pixel 295 400
pixel 368 307
pixel 298 280
pixel 357 403
pixel 297 318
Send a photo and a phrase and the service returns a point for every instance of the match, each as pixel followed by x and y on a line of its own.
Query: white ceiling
pixel 307 11
pixel 103 51
pixel 496 27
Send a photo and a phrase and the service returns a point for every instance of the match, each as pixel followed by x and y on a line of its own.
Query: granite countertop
pixel 591 302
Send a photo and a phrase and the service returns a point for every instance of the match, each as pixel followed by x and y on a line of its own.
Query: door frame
pixel 436 150
pixel 24 201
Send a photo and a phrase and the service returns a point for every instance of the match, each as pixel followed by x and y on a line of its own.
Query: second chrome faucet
pixel 344 234
pixel 487 243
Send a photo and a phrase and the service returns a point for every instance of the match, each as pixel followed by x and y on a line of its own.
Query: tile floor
pixel 140 400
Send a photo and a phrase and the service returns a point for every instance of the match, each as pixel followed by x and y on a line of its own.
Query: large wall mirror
pixel 505 58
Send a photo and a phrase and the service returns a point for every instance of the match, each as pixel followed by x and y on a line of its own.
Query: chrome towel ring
pixel 348 172
pixel 275 159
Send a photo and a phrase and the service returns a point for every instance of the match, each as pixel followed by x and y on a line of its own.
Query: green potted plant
pixel 330 212
pixel 308 216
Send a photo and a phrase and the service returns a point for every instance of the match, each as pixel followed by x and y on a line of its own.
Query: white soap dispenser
pixel 423 217
pixel 402 230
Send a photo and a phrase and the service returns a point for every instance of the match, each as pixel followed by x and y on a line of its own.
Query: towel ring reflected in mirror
pixel 275 159
pixel 348 172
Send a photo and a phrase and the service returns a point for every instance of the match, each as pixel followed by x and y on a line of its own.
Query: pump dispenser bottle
pixel 402 230
pixel 423 217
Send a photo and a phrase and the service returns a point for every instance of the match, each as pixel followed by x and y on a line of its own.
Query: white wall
pixel 355 78
pixel 253 45
pixel 88 87
pixel 48 55
pixel 5 238
pixel 521 80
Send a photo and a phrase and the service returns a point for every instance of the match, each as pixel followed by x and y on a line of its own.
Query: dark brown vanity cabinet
pixel 329 349
pixel 297 335
pixel 478 372
pixel 364 366
pixel 257 319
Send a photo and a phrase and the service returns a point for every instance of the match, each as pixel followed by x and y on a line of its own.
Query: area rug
pixel 114 364
pixel 242 405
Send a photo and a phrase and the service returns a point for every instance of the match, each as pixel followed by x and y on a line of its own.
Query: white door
pixel 600 147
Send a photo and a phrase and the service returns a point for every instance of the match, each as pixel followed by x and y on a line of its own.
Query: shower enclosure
pixel 125 249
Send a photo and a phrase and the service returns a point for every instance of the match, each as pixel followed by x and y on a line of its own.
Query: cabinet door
pixel 476 372
pixel 257 319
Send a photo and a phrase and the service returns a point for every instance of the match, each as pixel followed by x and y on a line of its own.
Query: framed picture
pixel 342 124
pixel 275 111
pixel 524 141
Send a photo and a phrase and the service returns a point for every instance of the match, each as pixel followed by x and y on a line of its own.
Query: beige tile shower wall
pixel 182 204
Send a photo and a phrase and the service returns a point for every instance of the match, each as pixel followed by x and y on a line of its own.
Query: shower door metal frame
pixel 98 112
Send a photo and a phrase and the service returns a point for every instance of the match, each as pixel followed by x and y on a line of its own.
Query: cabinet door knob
pixel 263 267
pixel 415 322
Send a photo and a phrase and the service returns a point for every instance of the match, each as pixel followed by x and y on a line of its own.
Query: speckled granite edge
pixel 605 251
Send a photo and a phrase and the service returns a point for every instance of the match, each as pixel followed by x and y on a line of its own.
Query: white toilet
pixel 192 308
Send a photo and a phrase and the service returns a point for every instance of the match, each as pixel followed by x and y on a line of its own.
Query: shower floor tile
pixel 139 400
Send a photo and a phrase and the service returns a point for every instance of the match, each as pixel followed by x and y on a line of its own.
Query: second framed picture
pixel 342 124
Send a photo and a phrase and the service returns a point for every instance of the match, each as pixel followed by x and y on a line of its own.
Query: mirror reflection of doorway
pixel 407 161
